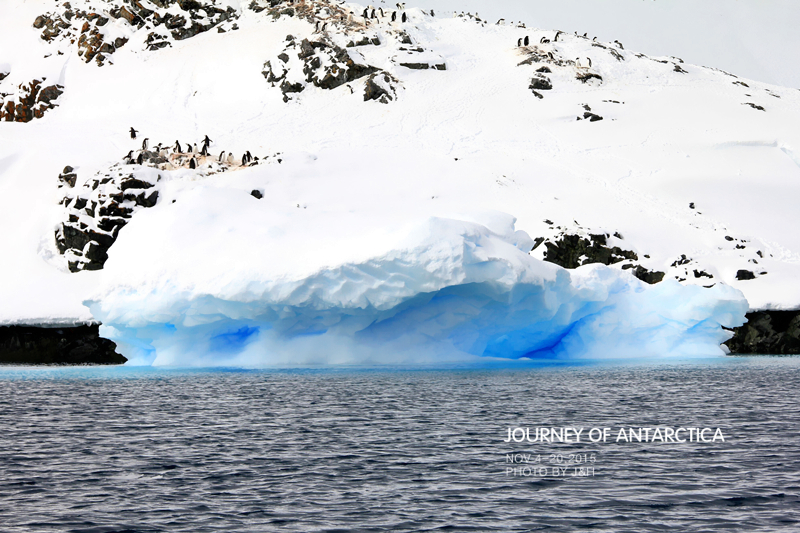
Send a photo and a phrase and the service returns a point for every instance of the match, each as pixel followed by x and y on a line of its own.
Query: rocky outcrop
pixel 31 100
pixel 767 332
pixel 572 251
pixel 97 211
pixel 74 345
pixel 323 63
pixel 381 87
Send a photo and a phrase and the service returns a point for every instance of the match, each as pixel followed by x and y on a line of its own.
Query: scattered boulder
pixel 743 275
pixel 380 86
pixel 540 82
pixel 255 193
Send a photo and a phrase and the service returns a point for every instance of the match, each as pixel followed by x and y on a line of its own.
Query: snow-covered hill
pixel 387 153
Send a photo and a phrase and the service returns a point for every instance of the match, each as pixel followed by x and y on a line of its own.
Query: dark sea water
pixel 141 450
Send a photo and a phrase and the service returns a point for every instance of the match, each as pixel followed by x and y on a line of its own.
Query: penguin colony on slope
pixel 175 156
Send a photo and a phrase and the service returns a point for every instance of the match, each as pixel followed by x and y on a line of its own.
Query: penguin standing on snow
pixel 317 28
pixel 555 40
pixel 221 156
pixel 589 59
pixel 128 158
pixel 619 44
pixel 432 13
pixel 144 143
pixel 140 159
pixel 394 16
pixel 207 142
pixel 365 14
pixel 204 151
pixel 324 26
pixel 178 147
pixel 194 148
pixel 381 10
pixel 519 41
pixel 404 18
pixel 133 133
pixel 527 40
pixel 230 158
pixel 372 15
pixel 192 163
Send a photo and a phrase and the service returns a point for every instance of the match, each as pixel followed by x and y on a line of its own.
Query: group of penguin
pixel 371 13
pixel 526 41
pixel 191 148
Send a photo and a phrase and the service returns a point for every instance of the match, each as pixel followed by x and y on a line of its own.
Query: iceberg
pixel 235 284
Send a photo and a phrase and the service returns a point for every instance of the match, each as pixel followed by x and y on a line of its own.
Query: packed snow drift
pixel 325 182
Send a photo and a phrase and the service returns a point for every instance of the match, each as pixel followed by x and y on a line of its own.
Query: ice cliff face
pixel 332 133
pixel 434 291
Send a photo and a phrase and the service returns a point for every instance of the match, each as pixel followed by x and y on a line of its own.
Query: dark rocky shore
pixel 768 332
pixel 73 345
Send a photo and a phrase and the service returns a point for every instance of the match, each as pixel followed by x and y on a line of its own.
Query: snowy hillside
pixel 388 159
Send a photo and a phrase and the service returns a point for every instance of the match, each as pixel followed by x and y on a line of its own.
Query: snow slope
pixel 357 176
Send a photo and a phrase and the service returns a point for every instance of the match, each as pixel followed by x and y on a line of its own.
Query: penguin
pixel 244 159
pixel 404 18
pixel 188 147
pixel 519 41
pixel 590 61
pixel 140 159
pixel 221 156
pixel 324 26
pixel 619 44
pixel 544 40
pixel 394 16
pixel 594 39
pixel 133 133
pixel 192 163
pixel 432 13
pixel 206 140
pixel 557 34
pixel 578 62
pixel 128 158
pixel 230 158
pixel 381 10
pixel 144 143
pixel 178 147
pixel 316 29
pixel 365 13
pixel 204 151
pixel 584 34
pixel 372 15
pixel 194 148
pixel 249 156
pixel 527 40
pixel 501 21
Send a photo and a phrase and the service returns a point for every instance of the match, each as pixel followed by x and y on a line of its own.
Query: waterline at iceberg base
pixel 438 290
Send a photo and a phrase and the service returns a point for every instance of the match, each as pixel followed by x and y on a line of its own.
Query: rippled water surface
pixel 140 450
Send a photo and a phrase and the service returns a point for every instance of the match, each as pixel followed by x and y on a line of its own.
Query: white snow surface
pixel 387 231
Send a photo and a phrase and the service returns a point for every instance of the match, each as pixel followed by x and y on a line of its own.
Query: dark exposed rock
pixel 572 251
pixel 541 83
pixel 544 69
pixel 743 275
pixel 589 76
pixel 592 116
pixel 381 87
pixel 569 249
pixel 754 106
pixel 74 345
pixel 767 332
pixel 648 276
pixel 680 69
pixel 255 193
